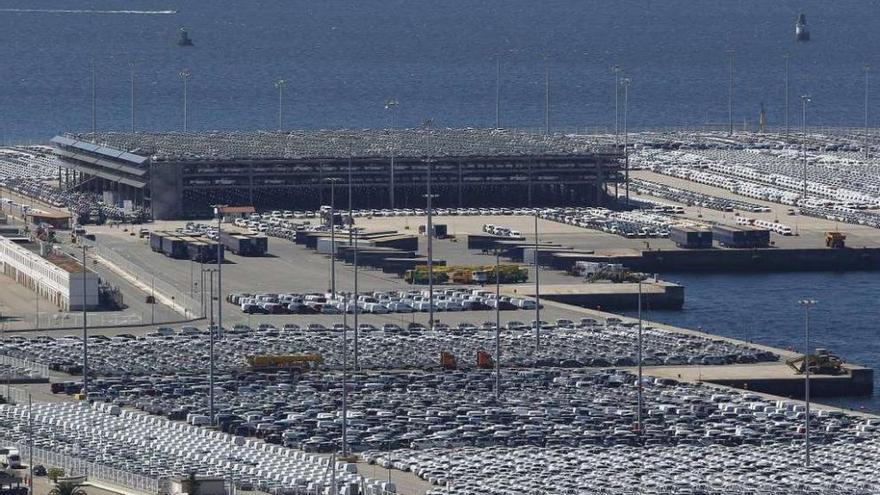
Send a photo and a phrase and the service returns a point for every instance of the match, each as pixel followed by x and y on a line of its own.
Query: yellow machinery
pixel 447 361
pixel 485 361
pixel 821 363
pixel 835 240
pixel 468 274
pixel 299 362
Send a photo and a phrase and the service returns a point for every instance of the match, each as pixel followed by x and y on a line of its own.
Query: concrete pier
pixel 730 260
pixel 610 296
pixel 774 378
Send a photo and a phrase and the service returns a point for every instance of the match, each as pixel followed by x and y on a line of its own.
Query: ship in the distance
pixel 800 29
pixel 183 38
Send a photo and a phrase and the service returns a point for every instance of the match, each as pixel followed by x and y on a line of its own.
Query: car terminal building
pixel 179 175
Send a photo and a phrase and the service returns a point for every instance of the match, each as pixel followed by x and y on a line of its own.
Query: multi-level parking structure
pixel 182 174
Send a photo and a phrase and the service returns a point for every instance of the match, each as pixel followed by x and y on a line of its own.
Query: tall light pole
pixel 37 301
pixel 30 444
pixel 185 74
pixel 807 304
pixel 352 241
pixel 210 272
pixel 204 305
pixel 498 324
pixel 639 360
pixel 804 100
pixel 218 210
pixel 356 365
pixel 94 100
pixel 537 290
pixel 280 84
pixel 131 66
pixel 732 54
pixel 344 382
pixel 866 68
pixel 391 105
pixel 333 181
pixel 625 82
pixel 787 57
pixel 546 95
pixel 429 196
pixel 153 300
pixel 498 91
pixel 85 336
pixel 616 70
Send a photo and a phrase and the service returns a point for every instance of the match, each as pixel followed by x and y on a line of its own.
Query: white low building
pixel 56 277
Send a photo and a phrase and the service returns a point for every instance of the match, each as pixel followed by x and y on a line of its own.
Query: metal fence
pixel 74 320
pixel 14 395
pixel 41 369
pixel 92 471
pixel 179 301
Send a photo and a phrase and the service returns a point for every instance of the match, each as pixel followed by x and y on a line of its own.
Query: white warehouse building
pixel 58 278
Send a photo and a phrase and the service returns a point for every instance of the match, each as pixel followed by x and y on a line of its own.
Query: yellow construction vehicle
pixel 297 362
pixel 447 361
pixel 836 240
pixel 821 363
pixel 485 361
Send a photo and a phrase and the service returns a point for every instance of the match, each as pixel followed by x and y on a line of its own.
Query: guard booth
pixel 198 485
pixel 56 219
pixel 230 213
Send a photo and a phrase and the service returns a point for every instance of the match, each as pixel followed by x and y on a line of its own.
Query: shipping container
pixel 691 237
pixel 741 236
pixel 156 240
pixel 245 244
pixel 204 251
pixel 174 247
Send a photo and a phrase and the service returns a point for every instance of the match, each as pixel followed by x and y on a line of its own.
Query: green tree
pixel 55 473
pixel 67 488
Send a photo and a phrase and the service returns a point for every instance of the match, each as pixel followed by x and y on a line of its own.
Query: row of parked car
pixel 694 198
pixel 376 302
pixel 500 230
pixel 383 344
pixel 630 224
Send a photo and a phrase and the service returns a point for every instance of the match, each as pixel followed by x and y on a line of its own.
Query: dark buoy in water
pixel 800 29
pixel 183 38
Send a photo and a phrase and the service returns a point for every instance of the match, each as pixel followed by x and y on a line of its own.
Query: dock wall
pixel 671 298
pixel 738 260
pixel 859 382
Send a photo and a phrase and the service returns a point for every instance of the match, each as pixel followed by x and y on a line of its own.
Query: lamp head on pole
pixel 185 74
pixel 218 209
pixel 391 104
pixel 806 99
pixel 807 302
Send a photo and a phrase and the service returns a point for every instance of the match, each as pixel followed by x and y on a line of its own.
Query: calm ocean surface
pixel 344 58
pixel 763 308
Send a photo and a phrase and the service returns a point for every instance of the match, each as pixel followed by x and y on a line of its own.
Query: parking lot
pixel 810 231
pixel 565 429
pixel 388 346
